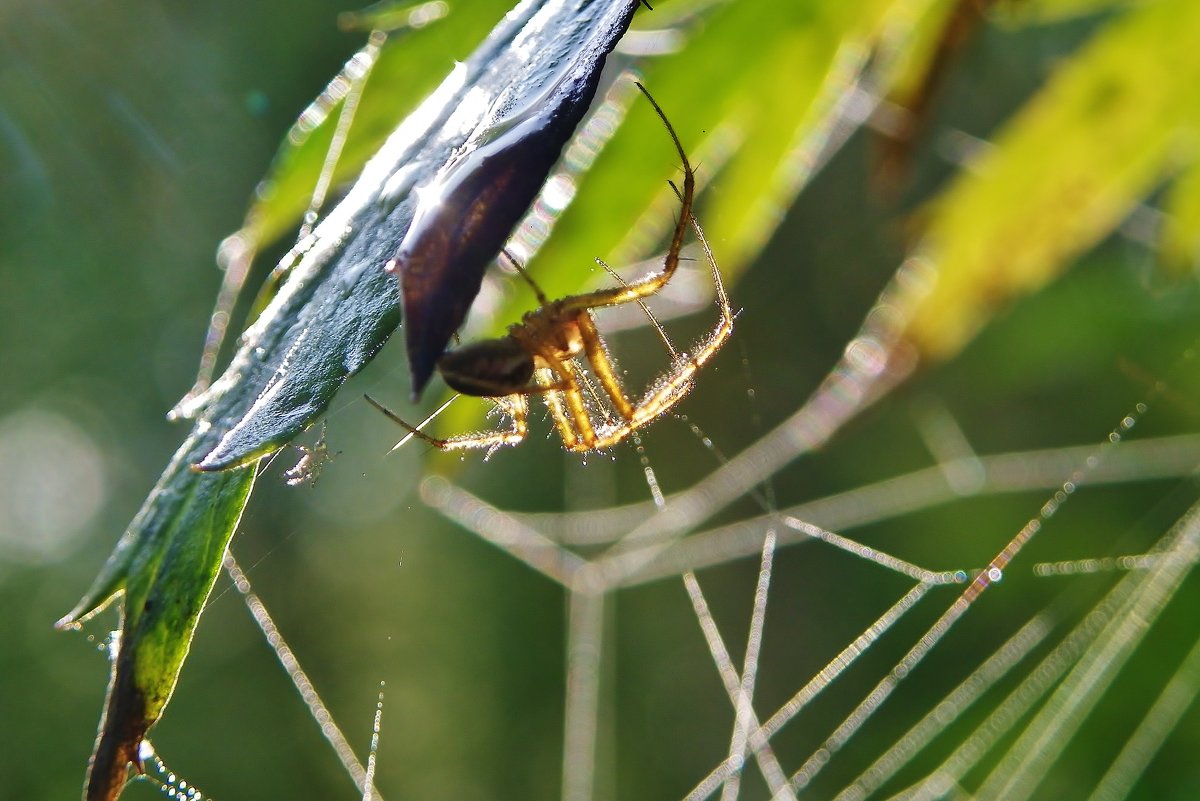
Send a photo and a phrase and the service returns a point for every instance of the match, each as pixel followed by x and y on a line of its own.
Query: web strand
pixel 761 738
pixel 956 703
pixel 982 582
pixel 373 755
pixel 291 665
pixel 746 721
pixel 585 627
pixel 1018 471
pixel 1025 765
pixel 1152 731
pixel 745 718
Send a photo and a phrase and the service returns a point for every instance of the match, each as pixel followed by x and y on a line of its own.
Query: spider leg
pixel 412 430
pixel 568 408
pixel 597 399
pixel 675 385
pixel 649 285
pixel 515 406
pixel 653 283
pixel 579 306
pixel 558 379
pixel 642 304
pixel 516 265
pixel 562 420
pixel 602 366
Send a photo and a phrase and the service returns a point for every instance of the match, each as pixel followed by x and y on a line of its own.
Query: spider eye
pixel 490 368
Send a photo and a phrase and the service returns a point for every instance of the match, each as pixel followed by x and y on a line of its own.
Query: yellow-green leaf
pixel 1067 169
pixel 1180 244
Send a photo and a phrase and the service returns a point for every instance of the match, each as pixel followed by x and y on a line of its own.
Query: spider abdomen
pixel 488 369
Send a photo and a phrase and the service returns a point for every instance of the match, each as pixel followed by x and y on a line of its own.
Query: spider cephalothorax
pixel 540 354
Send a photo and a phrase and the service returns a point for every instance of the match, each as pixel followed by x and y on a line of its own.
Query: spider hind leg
pixel 516 406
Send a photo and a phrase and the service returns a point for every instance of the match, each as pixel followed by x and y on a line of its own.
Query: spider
pixel 539 355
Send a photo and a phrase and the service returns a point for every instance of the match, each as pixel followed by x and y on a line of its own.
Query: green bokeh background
pixel 131 137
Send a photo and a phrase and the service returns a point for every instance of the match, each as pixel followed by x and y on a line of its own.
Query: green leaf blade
pixel 166 564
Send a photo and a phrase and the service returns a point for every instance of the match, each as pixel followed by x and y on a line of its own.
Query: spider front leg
pixel 652 283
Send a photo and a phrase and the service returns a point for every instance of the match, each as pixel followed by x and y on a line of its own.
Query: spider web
pixel 1026 692
pixel 1016 686
pixel 1078 670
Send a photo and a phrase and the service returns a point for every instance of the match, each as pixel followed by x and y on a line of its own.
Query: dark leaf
pixel 467 213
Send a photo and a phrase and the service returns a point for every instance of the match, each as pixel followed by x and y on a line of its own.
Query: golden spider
pixel 539 355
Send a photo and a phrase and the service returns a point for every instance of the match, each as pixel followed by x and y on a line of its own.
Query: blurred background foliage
pixel 1056 134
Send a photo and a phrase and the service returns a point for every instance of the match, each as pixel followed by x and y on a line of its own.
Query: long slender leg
pixel 653 283
pixel 642 305
pixel 516 265
pixel 560 376
pixel 602 366
pixel 562 420
pixel 515 406
pixel 676 384
pixel 572 395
